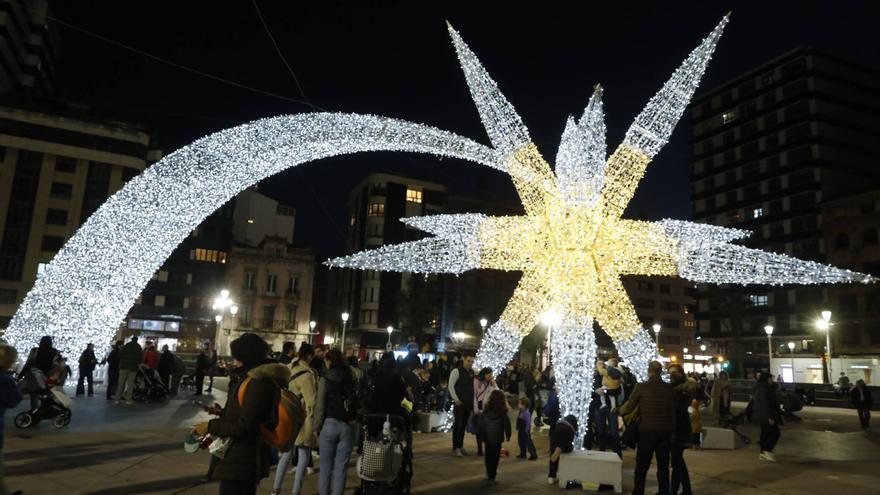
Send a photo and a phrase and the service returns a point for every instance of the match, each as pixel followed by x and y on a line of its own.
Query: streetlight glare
pixel 703 347
pixel 826 315
pixel 656 327
pixel 791 346
pixel 218 318
pixel 224 293
pixel 390 329
pixel 234 310
pixel 345 316
pixel 551 318
pixel 483 322
pixel 313 324
pixel 768 329
pixel 822 325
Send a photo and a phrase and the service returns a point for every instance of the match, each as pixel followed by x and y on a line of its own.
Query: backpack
pixel 288 419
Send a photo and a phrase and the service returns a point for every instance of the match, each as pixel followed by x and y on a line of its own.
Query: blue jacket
pixel 551 408
pixel 10 396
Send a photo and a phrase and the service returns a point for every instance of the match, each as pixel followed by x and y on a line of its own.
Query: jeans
pixel 85 376
pixel 680 474
pixel 112 381
pixel 606 423
pixel 126 377
pixel 524 439
pixel 460 414
pixel 335 443
pixel 769 436
pixel 652 443
pixel 491 457
pixel 303 454
pixel 238 487
pixel 864 417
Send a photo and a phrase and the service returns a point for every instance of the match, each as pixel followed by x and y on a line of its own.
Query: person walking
pixel 494 429
pixel 203 362
pixel 250 403
pixel 484 385
pixel 177 374
pixel 862 399
pixel 524 429
pixel 87 364
pixel 765 412
pixel 130 358
pixel 112 362
pixel 335 412
pixel 656 402
pixel 10 397
pixel 303 383
pixel 167 363
pixel 461 388
pixel 721 397
pixel 212 369
pixel 685 393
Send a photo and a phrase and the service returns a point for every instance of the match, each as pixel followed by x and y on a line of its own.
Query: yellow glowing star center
pixel 572 256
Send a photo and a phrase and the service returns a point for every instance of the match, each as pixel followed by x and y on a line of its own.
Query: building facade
pixel 56 171
pixel 766 149
pixel 28 47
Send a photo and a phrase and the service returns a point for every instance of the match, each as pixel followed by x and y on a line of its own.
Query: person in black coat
pixel 87 364
pixel 167 365
pixel 112 362
pixel 494 428
pixel 203 364
pixel 861 398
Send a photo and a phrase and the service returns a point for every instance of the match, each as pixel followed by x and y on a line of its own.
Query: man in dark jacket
pixel 112 362
pixel 130 358
pixel 335 412
pixel 203 362
pixel 87 363
pixel 246 461
pixel 685 391
pixel 656 402
pixel 166 366
pixel 862 400
pixel 765 412
pixel 461 388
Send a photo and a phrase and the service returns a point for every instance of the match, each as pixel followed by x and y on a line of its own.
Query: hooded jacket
pixel 304 383
pixel 494 427
pixel 248 456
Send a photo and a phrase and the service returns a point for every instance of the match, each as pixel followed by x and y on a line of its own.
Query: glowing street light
pixel 768 329
pixel 825 325
pixel 390 329
pixel 344 324
pixel 791 350
pixel 483 323
pixel 656 328
pixel 702 347
pixel 312 325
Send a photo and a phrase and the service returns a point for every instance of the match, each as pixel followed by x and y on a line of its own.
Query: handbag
pixel 380 460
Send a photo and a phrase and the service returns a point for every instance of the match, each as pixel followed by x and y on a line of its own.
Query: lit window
pixel 159 301
pixel 758 300
pixel 413 196
pixel 727 117
pixel 376 210
pixel 161 276
pixel 185 302
pixel 41 269
pixel 189 279
pixel 211 255
pixel 250 220
pixel 758 213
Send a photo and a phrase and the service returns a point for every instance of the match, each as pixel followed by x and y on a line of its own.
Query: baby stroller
pixel 385 467
pixel 54 404
pixel 731 421
pixel 148 386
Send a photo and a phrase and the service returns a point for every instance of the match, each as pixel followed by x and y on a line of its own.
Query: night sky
pixel 395 59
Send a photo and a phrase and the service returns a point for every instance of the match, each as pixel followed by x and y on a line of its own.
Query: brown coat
pixel 656 402
pixel 304 386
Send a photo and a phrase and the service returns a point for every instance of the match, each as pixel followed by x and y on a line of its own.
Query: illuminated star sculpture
pixel 572 245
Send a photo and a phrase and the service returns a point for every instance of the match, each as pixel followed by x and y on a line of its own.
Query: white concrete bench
pixel 591 467
pixel 427 421
pixel 718 438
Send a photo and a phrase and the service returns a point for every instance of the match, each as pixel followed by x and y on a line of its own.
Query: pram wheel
pixel 62 419
pixel 24 420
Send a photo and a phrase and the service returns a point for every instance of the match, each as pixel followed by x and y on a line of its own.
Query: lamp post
pixel 312 325
pixel 791 350
pixel 483 323
pixel 344 324
pixel 222 304
pixel 656 328
pixel 551 318
pixel 825 325
pixel 388 345
pixel 768 329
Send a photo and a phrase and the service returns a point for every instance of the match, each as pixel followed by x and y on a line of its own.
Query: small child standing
pixel 494 428
pixel 524 430
pixel 611 379
pixel 696 422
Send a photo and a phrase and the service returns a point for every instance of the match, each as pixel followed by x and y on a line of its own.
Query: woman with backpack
pixel 335 412
pixel 303 383
pixel 249 404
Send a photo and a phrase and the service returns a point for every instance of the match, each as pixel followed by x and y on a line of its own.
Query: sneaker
pixel 767 456
pixel 459 453
pixel 311 470
pixel 129 402
pixel 551 481
pixel 463 452
pixel 116 401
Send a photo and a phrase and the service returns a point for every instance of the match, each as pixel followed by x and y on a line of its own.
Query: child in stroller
pixel 386 463
pixel 148 385
pixel 53 403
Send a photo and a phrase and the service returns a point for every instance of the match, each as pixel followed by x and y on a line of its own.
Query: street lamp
pixel 791 350
pixel 768 329
pixel 551 318
pixel 390 329
pixel 222 304
pixel 656 328
pixel 825 325
pixel 702 347
pixel 312 325
pixel 344 324
pixel 483 323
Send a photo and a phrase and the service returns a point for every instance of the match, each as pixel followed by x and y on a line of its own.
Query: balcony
pixel 267 326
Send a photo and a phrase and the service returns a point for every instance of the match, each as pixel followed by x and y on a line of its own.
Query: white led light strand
pixel 573 348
